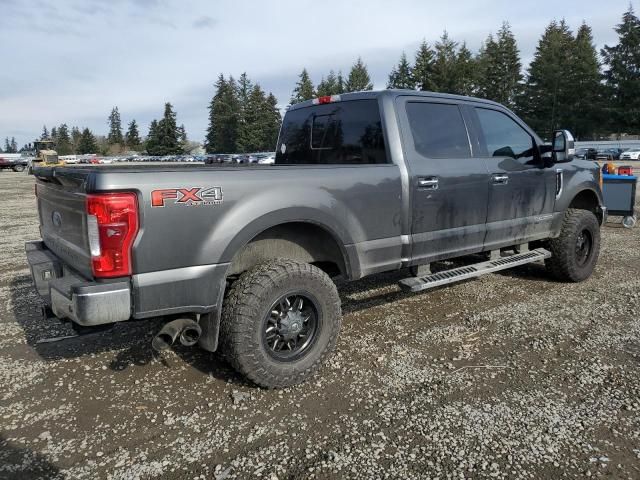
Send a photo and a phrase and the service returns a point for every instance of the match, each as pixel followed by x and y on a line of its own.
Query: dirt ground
pixel 507 376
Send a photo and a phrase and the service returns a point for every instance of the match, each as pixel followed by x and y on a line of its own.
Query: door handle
pixel 429 183
pixel 500 179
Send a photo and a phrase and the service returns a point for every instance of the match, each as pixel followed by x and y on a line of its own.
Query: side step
pixel 417 284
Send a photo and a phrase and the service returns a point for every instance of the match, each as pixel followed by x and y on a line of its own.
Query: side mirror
pixel 563 146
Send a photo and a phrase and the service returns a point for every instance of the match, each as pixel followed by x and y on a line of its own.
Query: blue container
pixel 619 193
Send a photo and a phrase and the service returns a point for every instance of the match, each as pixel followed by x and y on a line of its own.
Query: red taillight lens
pixel 326 99
pixel 112 224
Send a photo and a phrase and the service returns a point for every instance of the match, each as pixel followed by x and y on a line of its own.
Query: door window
pixel 438 130
pixel 504 137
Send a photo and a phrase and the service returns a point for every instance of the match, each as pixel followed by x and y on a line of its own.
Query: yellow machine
pixel 46 154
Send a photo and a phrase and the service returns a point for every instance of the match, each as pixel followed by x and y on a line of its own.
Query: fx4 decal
pixel 190 197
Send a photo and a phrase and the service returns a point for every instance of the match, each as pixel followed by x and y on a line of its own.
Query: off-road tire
pixel 249 302
pixel 564 264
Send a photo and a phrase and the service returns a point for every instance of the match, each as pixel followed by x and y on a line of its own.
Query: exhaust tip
pixel 190 335
pixel 162 341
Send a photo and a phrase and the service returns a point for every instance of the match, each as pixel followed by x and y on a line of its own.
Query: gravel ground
pixel 507 376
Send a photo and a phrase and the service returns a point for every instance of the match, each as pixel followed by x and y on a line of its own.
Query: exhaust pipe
pixel 186 330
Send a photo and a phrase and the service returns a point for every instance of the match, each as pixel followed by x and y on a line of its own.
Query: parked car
pixel 13 161
pixel 586 153
pixel 243 259
pixel 609 154
pixel 269 159
pixel 633 154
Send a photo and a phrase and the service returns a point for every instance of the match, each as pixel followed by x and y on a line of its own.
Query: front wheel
pixel 280 322
pixel 18 168
pixel 575 252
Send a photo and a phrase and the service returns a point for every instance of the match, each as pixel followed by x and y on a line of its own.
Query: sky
pixel 71 61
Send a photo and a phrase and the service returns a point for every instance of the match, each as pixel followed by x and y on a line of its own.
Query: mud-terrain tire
pixel 273 307
pixel 575 252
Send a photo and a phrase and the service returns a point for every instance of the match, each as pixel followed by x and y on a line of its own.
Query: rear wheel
pixel 18 168
pixel 280 322
pixel 575 252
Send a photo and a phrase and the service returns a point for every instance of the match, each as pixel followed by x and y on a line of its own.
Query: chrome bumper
pixel 71 296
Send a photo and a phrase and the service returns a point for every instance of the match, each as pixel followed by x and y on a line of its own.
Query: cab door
pixel 448 183
pixel 522 189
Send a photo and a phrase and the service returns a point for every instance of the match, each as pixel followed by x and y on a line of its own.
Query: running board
pixel 417 284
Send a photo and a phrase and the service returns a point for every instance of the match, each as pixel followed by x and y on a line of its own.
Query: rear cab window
pixel 339 133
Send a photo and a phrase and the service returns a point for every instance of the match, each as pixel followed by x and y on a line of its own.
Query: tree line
pixel 567 84
pixel 242 117
pixel 165 137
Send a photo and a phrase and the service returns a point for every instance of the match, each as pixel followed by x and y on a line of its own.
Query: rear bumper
pixel 72 296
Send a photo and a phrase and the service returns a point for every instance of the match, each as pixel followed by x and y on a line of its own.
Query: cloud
pixel 205 21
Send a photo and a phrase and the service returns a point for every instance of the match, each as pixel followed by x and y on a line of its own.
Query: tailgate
pixel 63 220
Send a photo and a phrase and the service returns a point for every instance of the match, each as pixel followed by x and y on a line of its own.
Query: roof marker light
pixel 326 99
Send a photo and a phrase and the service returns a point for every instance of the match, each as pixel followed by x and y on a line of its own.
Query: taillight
pixel 112 226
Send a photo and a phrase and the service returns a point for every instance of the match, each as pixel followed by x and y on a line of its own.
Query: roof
pixel 397 93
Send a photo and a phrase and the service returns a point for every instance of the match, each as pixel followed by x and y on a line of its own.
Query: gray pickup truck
pixel 243 259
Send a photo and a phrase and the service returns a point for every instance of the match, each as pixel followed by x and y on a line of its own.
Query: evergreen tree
pixel 224 113
pixel 272 122
pixel 401 76
pixel 54 134
pixel 585 94
pixel 622 74
pixel 358 78
pixel 75 138
pixel 63 145
pixel 182 134
pixel 152 142
pixel 304 88
pixel 87 142
pixel 132 137
pixel 423 68
pixel 251 134
pixel 7 145
pixel 499 68
pixel 465 72
pixel 329 86
pixel 546 101
pixel 115 128
pixel 168 134
pixel 445 66
pixel 340 83
pixel 45 133
pixel 14 145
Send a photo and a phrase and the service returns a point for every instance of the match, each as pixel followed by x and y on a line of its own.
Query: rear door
pixel 522 189
pixel 449 189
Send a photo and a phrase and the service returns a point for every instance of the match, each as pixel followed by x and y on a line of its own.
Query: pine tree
pixel 132 137
pixel 340 83
pixel 152 142
pixel 272 122
pixel 251 134
pixel 168 134
pixel 114 137
pixel 329 86
pixel 14 145
pixel 465 72
pixel 75 138
pixel 7 145
pixel 622 74
pixel 401 76
pixel 182 134
pixel 224 113
pixel 63 145
pixel 585 94
pixel 499 68
pixel 423 68
pixel 45 133
pixel 445 67
pixel 358 79
pixel 545 102
pixel 54 134
pixel 304 88
pixel 87 142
